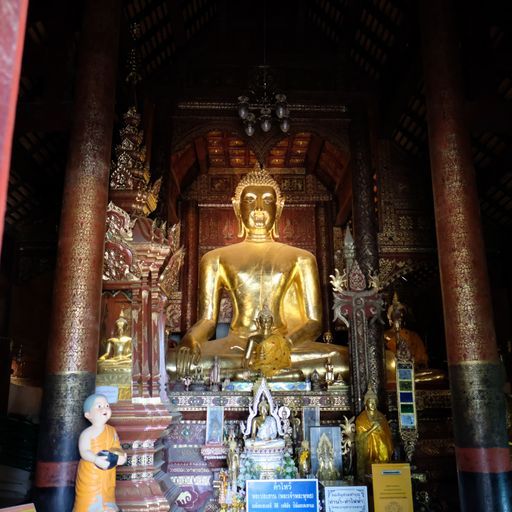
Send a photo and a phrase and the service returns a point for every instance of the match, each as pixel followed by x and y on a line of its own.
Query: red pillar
pixel 476 375
pixel 189 299
pixel 325 261
pixel 74 333
pixel 13 14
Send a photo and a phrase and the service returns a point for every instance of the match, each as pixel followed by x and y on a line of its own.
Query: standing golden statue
pixel 304 459
pixel 374 443
pixel 258 271
pixel 233 460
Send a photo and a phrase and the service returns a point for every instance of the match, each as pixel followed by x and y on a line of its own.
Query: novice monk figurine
pixel 96 476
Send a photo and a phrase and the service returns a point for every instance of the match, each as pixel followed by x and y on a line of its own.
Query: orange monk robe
pixel 378 446
pixel 414 342
pixel 95 487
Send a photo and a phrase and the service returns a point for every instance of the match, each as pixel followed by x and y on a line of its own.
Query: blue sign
pixel 292 495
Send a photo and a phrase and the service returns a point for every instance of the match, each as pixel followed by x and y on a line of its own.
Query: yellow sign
pixel 392 489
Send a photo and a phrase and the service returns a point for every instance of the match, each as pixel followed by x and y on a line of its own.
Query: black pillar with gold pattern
pixel 365 238
pixel 74 331
pixel 476 374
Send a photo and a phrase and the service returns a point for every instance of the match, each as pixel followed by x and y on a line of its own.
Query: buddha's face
pixel 265 322
pixel 100 412
pixel 258 208
pixel 121 326
pixel 371 404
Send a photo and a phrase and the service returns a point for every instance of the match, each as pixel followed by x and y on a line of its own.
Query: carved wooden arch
pixel 186 131
pixel 260 144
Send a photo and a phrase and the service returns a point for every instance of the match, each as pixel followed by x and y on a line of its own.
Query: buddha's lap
pixel 230 353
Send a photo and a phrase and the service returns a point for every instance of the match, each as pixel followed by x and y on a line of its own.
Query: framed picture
pixel 214 425
pixel 334 435
pixel 310 418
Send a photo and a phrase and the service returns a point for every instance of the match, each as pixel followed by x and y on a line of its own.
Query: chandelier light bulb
pixel 266 125
pixel 280 110
pixel 243 111
pixel 285 125
pixel 249 129
pixel 281 106
pixel 243 107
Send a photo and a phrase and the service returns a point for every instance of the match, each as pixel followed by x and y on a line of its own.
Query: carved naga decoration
pixel 357 302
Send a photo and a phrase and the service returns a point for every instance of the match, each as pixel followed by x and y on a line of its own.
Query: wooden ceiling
pixel 370 45
pixel 227 150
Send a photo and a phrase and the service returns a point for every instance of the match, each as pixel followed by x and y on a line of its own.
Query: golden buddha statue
pixel 118 351
pixel 374 443
pixel 396 316
pixel 115 364
pixel 258 271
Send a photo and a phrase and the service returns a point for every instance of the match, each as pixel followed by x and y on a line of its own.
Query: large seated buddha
pixel 258 273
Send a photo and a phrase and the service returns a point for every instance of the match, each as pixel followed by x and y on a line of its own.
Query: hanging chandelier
pixel 263 103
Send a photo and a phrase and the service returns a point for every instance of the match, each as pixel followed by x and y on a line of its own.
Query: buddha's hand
pixel 189 352
pixel 376 426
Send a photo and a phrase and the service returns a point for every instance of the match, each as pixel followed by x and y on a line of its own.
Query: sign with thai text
pixel 346 499
pixel 292 495
pixel 392 488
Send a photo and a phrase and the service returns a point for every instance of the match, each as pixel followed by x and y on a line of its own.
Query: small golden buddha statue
pixel 325 454
pixel 267 351
pixel 329 373
pixel 327 337
pixel 256 271
pixel 374 443
pixel 118 350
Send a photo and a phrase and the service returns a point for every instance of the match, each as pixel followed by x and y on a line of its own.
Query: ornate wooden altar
pixel 194 466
